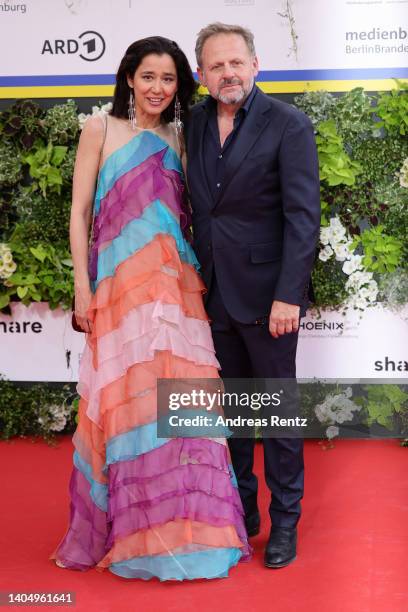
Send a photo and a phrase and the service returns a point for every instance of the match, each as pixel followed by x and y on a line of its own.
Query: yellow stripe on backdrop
pixel 333 86
pixel 94 91
pixel 57 91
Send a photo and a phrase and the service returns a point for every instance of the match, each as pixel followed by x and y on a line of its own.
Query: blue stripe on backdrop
pixel 264 75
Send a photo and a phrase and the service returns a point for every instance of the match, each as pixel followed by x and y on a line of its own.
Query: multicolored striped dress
pixel 145 506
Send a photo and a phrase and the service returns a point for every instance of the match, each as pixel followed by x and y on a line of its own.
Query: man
pixel 254 183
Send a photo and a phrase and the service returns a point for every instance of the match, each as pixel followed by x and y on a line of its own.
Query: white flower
pixel 338 231
pixel 9 270
pixel 81 120
pixel 107 107
pixel 325 253
pixel 337 225
pixel 341 251
pixel 7 265
pixel 341 417
pixel 337 237
pixel 364 293
pixel 369 292
pixel 325 234
pixel 358 279
pixel 373 291
pixel 332 432
pixel 403 174
pixel 57 417
pixel 321 413
pixel 352 264
pixel 357 302
pixel 82 117
pixel 58 424
pixel 336 408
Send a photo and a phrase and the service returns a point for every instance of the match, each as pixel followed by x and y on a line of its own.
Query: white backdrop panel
pixel 321 27
pixel 37 344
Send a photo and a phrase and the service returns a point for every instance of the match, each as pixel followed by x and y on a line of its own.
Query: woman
pixel 142 506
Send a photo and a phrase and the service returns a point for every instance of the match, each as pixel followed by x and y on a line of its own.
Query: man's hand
pixel 284 318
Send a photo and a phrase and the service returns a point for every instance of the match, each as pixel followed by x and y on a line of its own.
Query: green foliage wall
pixel 363 255
pixel 363 154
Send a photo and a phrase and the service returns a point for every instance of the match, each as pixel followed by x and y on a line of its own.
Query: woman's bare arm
pixel 83 190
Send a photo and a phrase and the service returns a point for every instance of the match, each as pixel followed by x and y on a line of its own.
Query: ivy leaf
pixel 4 300
pixel 39 253
pixel 22 292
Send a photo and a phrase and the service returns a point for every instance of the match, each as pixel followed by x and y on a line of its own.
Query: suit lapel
pixel 201 124
pixel 253 125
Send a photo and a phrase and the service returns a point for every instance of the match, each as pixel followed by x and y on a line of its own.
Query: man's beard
pixel 234 98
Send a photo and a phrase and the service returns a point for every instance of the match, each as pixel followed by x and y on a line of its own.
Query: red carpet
pixel 352 554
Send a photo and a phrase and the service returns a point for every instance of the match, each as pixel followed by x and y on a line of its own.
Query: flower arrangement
pixel 336 408
pixel 403 174
pixel 363 151
pixel 37 155
pixel 363 156
pixel 377 406
pixel 37 410
pixel 360 285
pixel 82 117
pixel 54 418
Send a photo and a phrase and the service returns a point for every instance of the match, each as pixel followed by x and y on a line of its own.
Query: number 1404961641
pixel 43 599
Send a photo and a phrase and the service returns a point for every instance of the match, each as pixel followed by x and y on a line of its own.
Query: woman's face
pixel 154 84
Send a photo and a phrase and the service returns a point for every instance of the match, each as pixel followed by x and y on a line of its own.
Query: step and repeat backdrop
pixel 37 344
pixel 52 48
pixel 72 48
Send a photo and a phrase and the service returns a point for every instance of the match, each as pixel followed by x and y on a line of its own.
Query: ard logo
pixel 90 46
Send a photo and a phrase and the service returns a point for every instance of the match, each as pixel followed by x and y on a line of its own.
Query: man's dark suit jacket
pixel 260 234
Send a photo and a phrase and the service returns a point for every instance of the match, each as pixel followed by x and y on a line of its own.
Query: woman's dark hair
pixel 133 58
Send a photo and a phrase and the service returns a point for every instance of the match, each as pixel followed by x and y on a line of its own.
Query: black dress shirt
pixel 215 155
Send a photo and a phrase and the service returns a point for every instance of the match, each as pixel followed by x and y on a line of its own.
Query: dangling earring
pixel 177 115
pixel 131 111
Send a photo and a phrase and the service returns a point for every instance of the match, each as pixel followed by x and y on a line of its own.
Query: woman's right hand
pixel 83 298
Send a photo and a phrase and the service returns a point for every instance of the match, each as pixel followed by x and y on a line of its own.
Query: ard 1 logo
pixel 90 46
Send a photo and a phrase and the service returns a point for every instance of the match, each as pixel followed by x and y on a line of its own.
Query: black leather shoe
pixel 281 547
pixel 253 524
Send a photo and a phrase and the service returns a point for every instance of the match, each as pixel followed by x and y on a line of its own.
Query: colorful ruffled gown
pixel 143 506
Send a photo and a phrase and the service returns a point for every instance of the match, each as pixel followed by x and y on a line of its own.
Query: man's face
pixel 228 70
